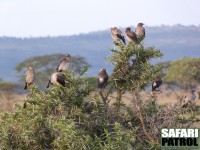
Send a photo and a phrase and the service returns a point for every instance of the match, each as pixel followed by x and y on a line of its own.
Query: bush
pixel 59 119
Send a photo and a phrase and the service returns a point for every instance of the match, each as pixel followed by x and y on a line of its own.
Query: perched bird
pixel 29 77
pixel 156 84
pixel 117 35
pixel 64 64
pixel 57 78
pixel 30 95
pixel 189 98
pixel 102 78
pixel 140 31
pixel 131 36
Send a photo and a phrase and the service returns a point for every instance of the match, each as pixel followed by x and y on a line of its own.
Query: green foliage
pixel 92 81
pixel 46 65
pixel 184 72
pixel 133 69
pixel 60 118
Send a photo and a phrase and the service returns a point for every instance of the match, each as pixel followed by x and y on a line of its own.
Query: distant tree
pixel 46 65
pixel 7 86
pixel 183 72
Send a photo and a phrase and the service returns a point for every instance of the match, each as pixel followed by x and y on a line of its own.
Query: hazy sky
pixel 25 18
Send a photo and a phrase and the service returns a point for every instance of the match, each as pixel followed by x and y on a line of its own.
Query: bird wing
pixel 132 35
pixel 67 65
pixel 61 79
pixel 57 69
pixel 106 77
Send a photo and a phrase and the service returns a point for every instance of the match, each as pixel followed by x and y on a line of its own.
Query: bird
pixel 102 78
pixel 57 78
pixel 28 96
pixel 156 84
pixel 131 36
pixel 188 98
pixel 29 77
pixel 140 31
pixel 117 35
pixel 64 64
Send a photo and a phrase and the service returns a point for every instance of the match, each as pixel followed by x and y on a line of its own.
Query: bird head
pixel 128 29
pixel 67 57
pixel 103 70
pixel 114 28
pixel 140 24
pixel 29 68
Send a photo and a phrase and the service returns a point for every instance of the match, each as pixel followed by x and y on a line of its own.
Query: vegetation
pixel 6 86
pixel 78 117
pixel 60 119
pixel 183 72
pixel 45 66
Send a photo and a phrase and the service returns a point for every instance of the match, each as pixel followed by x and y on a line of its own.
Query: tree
pixel 46 65
pixel 133 69
pixel 183 72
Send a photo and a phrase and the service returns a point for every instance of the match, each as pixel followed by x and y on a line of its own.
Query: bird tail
pixel 25 87
pixel 57 68
pixel 48 84
pixel 24 106
pixel 63 84
pixel 123 39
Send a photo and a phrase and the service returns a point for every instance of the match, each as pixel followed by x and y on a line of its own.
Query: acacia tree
pixel 132 68
pixel 183 72
pixel 46 65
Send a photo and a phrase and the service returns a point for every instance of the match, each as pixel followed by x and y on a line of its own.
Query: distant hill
pixel 174 41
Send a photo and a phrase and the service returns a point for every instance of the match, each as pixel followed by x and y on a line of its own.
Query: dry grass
pixel 9 99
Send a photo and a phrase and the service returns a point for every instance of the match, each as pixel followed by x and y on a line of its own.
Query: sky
pixel 33 18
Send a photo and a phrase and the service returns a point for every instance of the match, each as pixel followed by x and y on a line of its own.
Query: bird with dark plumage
pixel 102 79
pixel 131 36
pixel 57 78
pixel 117 35
pixel 29 77
pixel 156 84
pixel 140 31
pixel 64 64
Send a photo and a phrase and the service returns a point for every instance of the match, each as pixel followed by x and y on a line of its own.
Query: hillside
pixel 174 41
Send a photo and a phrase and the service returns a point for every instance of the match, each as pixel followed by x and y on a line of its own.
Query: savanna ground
pixel 168 96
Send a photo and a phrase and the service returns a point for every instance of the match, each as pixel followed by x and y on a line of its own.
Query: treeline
pixel 174 41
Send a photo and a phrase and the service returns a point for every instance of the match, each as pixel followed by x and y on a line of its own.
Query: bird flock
pixel 132 37
pixel 58 77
